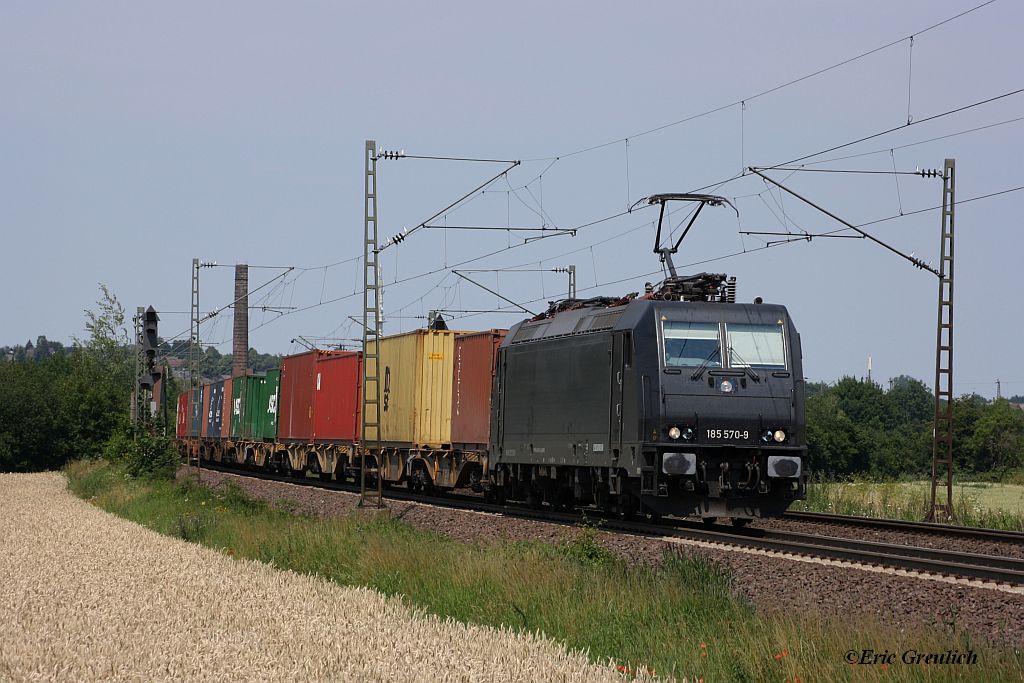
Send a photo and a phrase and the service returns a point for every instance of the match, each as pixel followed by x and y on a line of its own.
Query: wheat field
pixel 89 596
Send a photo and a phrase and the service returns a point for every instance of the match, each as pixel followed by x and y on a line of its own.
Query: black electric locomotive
pixel 679 402
pixel 670 407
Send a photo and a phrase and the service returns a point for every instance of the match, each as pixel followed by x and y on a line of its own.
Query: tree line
pixel 213 364
pixel 857 427
pixel 61 403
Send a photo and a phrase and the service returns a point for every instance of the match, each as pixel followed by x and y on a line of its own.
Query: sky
pixel 136 136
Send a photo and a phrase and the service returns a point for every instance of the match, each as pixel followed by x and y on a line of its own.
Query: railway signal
pixel 147 374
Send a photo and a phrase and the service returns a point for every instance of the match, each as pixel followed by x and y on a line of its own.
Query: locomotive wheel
pixel 709 520
pixel 741 521
pixel 325 476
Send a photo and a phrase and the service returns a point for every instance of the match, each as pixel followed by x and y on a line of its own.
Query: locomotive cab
pixel 730 429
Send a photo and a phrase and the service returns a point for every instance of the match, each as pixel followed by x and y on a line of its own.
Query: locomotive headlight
pixel 767 436
pixel 726 386
pixel 674 432
pixel 687 433
pixel 779 436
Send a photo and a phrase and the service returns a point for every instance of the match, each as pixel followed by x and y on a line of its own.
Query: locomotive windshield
pixel 756 346
pixel 689 344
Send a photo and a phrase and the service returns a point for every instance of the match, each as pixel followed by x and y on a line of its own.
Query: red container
pixel 204 422
pixel 320 399
pixel 229 406
pixel 475 361
pixel 295 411
pixel 337 403
pixel 182 428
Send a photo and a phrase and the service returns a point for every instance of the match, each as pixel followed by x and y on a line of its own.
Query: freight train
pixel 676 402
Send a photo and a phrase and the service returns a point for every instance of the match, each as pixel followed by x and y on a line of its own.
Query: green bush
pixel 586 549
pixel 142 455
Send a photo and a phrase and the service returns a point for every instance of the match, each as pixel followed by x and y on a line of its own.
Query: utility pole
pixel 193 366
pixel 942 431
pixel 370 435
pixel 999 390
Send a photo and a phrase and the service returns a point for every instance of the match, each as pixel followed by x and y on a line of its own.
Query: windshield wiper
pixel 699 372
pixel 746 366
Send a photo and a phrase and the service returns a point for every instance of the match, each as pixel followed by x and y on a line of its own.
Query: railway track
pixel 931 562
pixel 903 525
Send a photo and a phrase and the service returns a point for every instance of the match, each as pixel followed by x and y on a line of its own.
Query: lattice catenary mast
pixel 942 432
pixel 370 435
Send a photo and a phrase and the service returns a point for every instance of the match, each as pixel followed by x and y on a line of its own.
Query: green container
pixel 254 406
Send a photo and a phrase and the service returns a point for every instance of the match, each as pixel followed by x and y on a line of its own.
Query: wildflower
pixel 885 666
pixel 703 646
pixel 778 657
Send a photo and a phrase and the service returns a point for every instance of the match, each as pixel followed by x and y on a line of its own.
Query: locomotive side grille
pixel 528 332
pixel 605 321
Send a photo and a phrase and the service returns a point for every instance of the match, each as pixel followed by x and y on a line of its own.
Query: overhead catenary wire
pixel 767 91
pixel 959 202
pixel 901 127
pixel 553 160
pixel 403 155
pixel 919 142
pixel 216 311
pixel 725 181
pixel 796 239
pixel 852 171
pixel 402 236
pixel 909 257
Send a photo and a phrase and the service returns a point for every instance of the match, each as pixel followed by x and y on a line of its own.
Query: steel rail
pixel 998 569
pixel 975 533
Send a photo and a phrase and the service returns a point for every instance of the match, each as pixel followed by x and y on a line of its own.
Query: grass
pixel 681 620
pixel 981 504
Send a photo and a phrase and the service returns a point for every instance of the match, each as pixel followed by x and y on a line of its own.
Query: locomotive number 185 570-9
pixel 724 434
